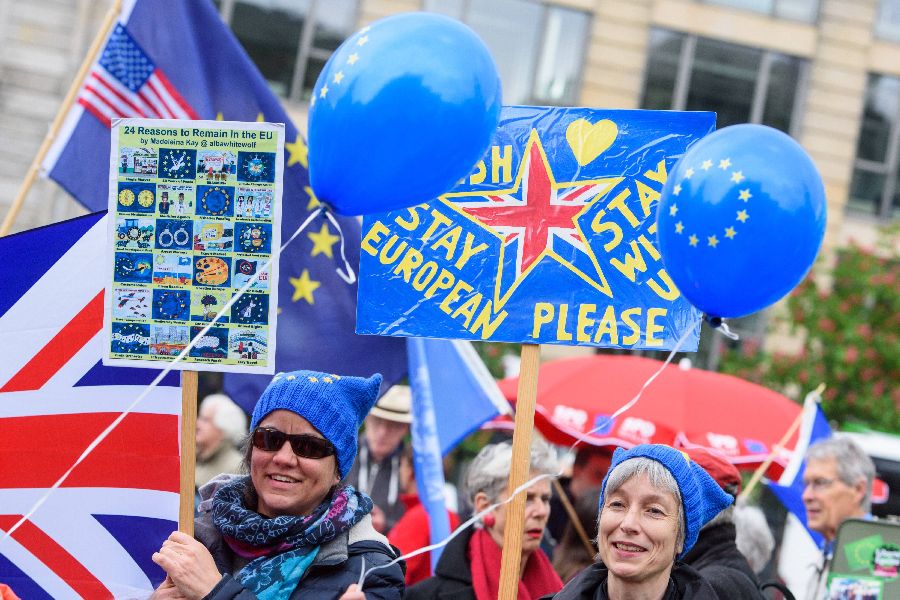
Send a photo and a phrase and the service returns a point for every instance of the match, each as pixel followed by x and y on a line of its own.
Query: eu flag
pixel 177 59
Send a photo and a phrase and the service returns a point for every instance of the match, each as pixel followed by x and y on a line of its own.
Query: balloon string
pixel 103 435
pixel 579 438
pixel 350 275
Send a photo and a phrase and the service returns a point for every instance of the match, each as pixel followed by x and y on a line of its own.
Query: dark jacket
pixel 382 482
pixel 716 557
pixel 337 565
pixel 452 575
pixel 684 584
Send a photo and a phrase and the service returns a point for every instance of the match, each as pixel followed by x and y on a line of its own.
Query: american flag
pixel 94 535
pixel 125 82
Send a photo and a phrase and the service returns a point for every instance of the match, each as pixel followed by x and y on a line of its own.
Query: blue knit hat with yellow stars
pixel 701 497
pixel 333 404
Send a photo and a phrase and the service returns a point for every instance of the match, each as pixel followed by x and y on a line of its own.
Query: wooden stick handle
pixel 519 471
pixel 188 451
pixel 573 518
pixel 757 475
pixel 16 205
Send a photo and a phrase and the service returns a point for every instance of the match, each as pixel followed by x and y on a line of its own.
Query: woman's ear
pixel 481 501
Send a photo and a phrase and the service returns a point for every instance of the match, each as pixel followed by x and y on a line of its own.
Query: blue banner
pixel 426 447
pixel 551 239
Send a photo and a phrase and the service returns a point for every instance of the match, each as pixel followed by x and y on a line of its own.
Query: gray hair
pixel 228 417
pixel 489 471
pixel 752 535
pixel 852 463
pixel 659 478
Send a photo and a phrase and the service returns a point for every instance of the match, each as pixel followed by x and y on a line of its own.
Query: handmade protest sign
pixel 551 239
pixel 195 214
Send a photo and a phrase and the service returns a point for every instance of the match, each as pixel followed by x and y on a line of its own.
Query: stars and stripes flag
pixel 124 82
pixel 94 535
pixel 177 58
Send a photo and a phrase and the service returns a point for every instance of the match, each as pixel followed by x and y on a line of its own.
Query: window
pixel 539 48
pixel 740 84
pixel 874 189
pixel 887 24
pixel 290 40
pixel 796 10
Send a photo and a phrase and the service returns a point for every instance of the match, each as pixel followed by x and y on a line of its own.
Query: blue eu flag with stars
pixel 190 65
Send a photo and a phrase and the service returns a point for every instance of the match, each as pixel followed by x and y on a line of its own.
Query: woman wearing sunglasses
pixel 289 529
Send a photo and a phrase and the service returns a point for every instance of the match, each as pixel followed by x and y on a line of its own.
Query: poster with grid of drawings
pixel 195 215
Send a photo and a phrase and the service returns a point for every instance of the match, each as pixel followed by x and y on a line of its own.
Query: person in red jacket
pixel 411 532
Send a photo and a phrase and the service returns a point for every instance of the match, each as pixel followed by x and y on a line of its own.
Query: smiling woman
pixel 289 529
pixel 653 503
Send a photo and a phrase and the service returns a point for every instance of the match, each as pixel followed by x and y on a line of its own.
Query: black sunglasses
pixel 303 444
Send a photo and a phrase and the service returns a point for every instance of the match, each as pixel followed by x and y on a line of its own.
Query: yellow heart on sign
pixel 588 141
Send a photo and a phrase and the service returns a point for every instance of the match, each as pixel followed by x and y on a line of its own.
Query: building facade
pixel 825 71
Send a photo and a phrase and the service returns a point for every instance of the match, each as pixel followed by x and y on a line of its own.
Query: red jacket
pixel 411 532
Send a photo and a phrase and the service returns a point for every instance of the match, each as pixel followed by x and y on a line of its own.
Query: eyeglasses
pixel 818 484
pixel 303 444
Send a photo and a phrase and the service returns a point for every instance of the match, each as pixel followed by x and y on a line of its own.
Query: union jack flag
pixel 125 82
pixel 94 535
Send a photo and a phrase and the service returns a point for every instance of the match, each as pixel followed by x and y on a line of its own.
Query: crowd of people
pixel 310 508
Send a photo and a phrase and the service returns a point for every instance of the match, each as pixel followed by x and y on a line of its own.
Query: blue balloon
pixel 741 220
pixel 401 112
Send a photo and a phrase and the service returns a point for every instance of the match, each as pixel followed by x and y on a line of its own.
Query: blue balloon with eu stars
pixel 401 112
pixel 741 220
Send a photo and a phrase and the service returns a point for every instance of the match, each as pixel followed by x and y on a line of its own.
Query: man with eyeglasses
pixel 837 486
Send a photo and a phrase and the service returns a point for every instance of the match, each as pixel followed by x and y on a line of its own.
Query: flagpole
pixel 519 471
pixel 188 451
pixel 14 208
pixel 757 475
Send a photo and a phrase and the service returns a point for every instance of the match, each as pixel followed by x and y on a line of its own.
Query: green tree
pixel 851 339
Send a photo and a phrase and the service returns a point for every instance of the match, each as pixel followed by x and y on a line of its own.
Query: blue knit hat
pixel 701 497
pixel 333 404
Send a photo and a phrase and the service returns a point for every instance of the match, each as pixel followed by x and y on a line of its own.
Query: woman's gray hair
pixel 659 478
pixel 753 537
pixel 228 417
pixel 852 463
pixel 489 471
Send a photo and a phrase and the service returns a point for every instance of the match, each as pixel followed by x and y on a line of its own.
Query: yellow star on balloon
pixel 730 232
pixel 298 152
pixel 304 287
pixel 323 242
pixel 693 240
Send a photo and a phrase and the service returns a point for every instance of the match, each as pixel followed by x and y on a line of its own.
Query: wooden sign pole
pixel 108 22
pixel 188 451
pixel 520 471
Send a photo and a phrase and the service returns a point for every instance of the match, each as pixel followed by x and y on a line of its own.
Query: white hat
pixel 395 405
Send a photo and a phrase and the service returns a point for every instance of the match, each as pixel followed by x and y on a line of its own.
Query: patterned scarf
pixel 282 548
